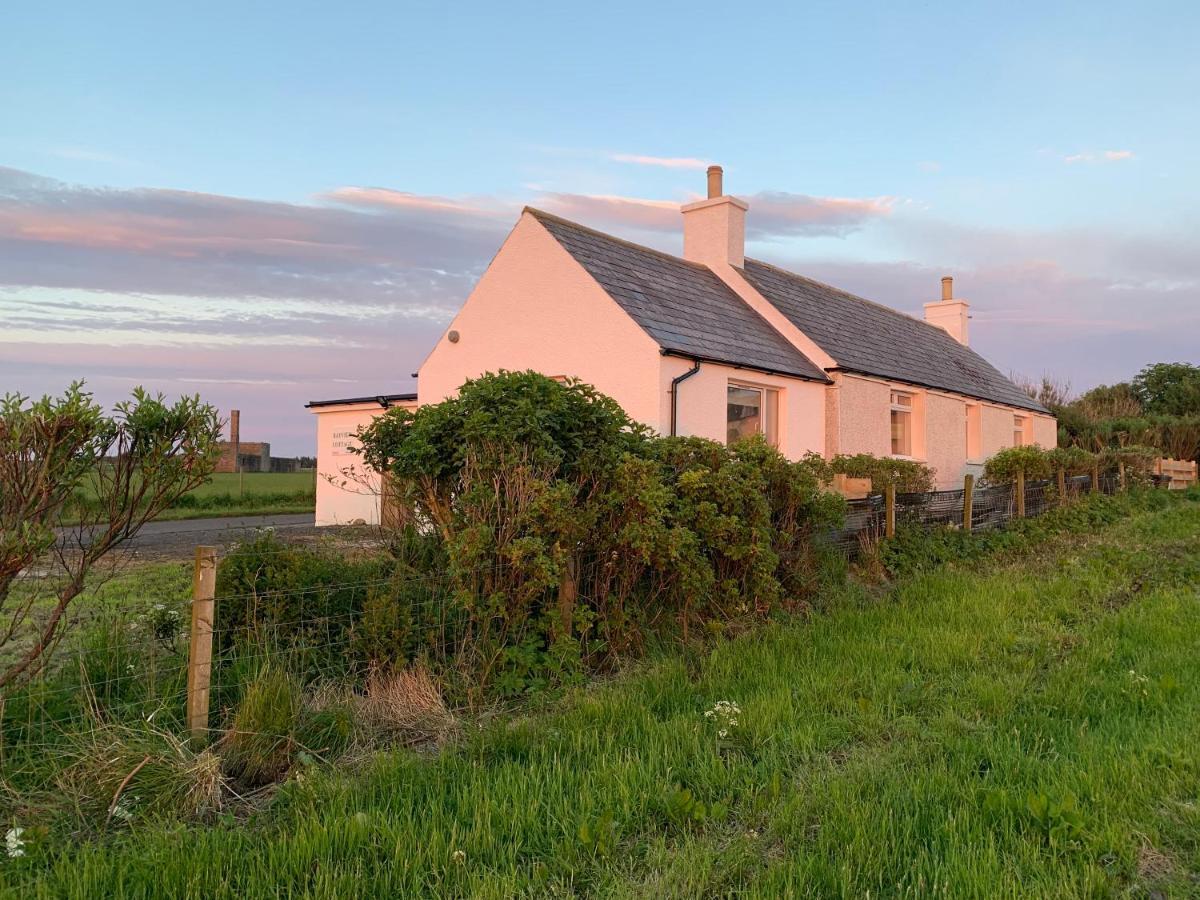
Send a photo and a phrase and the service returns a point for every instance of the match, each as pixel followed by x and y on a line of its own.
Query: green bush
pixel 908 476
pixel 1003 467
pixel 292 598
pixel 568 530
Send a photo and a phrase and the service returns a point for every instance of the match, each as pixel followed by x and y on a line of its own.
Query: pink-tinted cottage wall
pixel 858 413
pixel 703 399
pixel 537 308
pixel 339 504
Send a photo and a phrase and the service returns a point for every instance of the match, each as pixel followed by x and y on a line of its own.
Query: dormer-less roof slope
pixel 683 306
pixel 871 339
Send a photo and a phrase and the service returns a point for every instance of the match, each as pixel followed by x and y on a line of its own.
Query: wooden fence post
pixel 889 511
pixel 1020 489
pixel 1062 486
pixel 204 583
pixel 1121 475
pixel 1095 479
pixel 968 500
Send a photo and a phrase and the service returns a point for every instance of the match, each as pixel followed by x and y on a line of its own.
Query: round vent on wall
pixel 452 337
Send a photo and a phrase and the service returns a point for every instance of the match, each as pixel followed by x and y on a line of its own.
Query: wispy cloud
pixel 666 162
pixel 87 154
pixel 929 165
pixel 1089 156
pixel 773 214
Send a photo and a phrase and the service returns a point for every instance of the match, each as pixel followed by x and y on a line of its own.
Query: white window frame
pixel 768 405
pixel 909 409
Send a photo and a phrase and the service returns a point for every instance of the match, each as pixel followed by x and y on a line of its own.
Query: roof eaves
pixel 1029 404
pixel 750 367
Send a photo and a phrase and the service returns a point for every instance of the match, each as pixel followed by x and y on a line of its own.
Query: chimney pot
pixel 715 188
pixel 947 288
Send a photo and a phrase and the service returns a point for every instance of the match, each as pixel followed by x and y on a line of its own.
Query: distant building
pixel 239 456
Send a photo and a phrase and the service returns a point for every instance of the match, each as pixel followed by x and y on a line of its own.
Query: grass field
pixel 247 494
pixel 1018 729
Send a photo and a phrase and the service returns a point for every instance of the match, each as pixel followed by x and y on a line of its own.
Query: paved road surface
pixel 165 540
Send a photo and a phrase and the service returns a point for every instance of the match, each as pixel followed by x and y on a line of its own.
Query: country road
pixel 177 539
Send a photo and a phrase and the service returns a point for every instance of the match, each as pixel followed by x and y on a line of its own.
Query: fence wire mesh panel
pixel 992 506
pixel 934 508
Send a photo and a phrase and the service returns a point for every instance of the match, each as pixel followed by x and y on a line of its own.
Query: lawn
pixel 1026 727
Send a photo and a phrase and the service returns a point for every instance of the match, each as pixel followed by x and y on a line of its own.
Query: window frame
pixel 909 409
pixel 974 433
pixel 1020 430
pixel 768 406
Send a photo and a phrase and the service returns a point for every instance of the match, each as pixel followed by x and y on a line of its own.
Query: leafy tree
pixel 1171 389
pixel 1109 401
pixel 54 453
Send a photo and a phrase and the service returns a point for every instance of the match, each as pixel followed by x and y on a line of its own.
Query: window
pixel 751 410
pixel 974 432
pixel 902 424
pixel 1018 431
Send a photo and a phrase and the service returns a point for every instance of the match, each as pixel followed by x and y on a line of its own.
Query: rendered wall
pixel 338 505
pixel 1045 431
pixel 536 308
pixel 861 408
pixel 703 402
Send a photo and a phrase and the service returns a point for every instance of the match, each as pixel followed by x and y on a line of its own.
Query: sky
pixel 272 203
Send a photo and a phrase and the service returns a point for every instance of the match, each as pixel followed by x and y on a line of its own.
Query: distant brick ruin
pixel 253 456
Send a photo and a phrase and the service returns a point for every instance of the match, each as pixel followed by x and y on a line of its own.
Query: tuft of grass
pixel 259 746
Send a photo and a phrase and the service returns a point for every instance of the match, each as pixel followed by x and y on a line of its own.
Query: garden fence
pixel 991 507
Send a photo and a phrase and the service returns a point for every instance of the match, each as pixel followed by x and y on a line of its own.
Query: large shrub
pixel 568 529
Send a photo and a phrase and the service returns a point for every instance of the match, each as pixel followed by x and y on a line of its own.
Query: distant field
pixel 251 493
pixel 251 484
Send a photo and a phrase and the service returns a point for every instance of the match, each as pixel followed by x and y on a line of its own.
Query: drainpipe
pixel 675 382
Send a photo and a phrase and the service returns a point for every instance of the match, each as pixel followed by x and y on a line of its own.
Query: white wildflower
pixel 459 856
pixel 13 842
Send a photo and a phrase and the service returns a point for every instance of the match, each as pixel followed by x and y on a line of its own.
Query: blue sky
pixel 267 203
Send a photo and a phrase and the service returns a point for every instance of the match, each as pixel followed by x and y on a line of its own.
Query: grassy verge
pixel 1016 727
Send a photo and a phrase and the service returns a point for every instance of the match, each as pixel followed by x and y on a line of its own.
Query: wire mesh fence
pixel 992 506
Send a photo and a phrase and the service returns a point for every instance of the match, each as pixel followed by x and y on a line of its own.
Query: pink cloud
pixel 391 199
pixel 666 162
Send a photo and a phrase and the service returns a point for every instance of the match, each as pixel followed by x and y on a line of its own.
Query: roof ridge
pixel 846 293
pixel 541 213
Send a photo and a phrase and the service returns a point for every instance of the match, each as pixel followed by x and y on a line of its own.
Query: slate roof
pixel 684 306
pixel 866 337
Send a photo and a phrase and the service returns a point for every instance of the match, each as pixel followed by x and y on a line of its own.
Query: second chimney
pixel 949 314
pixel 714 229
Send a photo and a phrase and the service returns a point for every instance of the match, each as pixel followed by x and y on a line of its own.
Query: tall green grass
pixel 1024 729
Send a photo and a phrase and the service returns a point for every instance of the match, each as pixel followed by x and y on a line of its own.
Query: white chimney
pixel 714 230
pixel 949 314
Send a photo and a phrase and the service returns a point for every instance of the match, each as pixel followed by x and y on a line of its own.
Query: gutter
pixel 675 382
pixel 744 367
